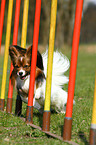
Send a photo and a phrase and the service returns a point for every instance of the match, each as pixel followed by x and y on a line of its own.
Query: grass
pixel 15 131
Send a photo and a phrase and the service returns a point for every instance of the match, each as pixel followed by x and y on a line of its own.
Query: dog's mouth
pixel 24 77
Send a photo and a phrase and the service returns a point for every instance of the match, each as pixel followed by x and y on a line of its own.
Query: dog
pixel 20 77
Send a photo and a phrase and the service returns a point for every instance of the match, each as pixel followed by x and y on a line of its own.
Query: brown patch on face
pixel 22 63
pixel 21 59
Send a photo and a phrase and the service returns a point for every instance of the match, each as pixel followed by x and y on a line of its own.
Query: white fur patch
pixel 58 95
pixel 21 59
pixel 21 70
pixel 23 84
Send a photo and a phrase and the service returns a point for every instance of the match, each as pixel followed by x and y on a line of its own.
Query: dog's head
pixel 21 60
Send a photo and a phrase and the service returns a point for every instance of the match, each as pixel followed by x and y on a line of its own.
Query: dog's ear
pixel 13 52
pixel 39 77
pixel 29 51
pixel 39 73
pixel 39 57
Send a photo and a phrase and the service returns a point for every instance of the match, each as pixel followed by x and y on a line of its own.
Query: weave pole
pixel 25 21
pixel 29 113
pixel 8 32
pixel 15 36
pixel 92 137
pixel 2 19
pixel 18 108
pixel 46 114
pixel 75 44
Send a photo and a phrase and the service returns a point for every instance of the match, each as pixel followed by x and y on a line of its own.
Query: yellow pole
pixel 24 26
pixel 94 105
pixel 50 55
pixel 92 136
pixel 8 32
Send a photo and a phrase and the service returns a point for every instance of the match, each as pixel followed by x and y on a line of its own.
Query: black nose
pixel 20 73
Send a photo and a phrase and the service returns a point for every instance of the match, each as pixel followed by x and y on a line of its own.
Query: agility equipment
pixel 74 55
pixel 2 19
pixel 46 115
pixel 92 137
pixel 15 36
pixel 8 32
pixel 25 21
pixel 29 113
pixel 18 108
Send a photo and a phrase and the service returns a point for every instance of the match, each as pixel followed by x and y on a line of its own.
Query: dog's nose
pixel 20 73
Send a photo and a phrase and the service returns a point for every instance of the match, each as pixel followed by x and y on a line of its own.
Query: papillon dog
pixel 20 77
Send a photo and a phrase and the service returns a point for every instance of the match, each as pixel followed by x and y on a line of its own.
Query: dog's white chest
pixel 23 84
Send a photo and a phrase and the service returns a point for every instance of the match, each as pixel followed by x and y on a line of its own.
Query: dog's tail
pixel 60 66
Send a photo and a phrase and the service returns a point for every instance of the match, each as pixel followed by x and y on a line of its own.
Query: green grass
pixel 15 131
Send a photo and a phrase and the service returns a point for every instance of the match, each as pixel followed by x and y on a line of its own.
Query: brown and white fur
pixel 20 77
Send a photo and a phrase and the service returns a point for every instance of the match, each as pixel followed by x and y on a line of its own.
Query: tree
pixel 64 25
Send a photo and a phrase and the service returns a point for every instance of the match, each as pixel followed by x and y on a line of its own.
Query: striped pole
pixel 92 139
pixel 46 114
pixel 18 108
pixel 2 19
pixel 72 76
pixel 29 113
pixel 8 32
pixel 15 36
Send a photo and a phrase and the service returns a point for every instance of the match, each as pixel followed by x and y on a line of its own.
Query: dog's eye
pixel 16 66
pixel 25 66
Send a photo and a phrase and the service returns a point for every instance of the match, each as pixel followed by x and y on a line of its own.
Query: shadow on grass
pixel 83 137
pixel 80 134
pixel 40 116
pixel 61 130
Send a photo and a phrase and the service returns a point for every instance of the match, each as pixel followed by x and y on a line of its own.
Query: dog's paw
pixel 63 112
pixel 20 91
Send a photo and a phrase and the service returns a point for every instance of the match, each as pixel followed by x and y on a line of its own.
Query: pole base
pixel 92 137
pixel 9 105
pixel 67 128
pixel 46 121
pixel 29 114
pixel 2 102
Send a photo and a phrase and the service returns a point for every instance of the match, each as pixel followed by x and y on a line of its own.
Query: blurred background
pixel 64 25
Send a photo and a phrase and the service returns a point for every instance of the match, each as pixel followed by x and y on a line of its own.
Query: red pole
pixel 72 75
pixel 33 61
pixel 2 19
pixel 15 36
